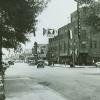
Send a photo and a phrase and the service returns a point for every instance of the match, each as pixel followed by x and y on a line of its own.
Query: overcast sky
pixel 54 16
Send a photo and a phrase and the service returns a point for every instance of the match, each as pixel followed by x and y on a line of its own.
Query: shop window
pixel 83 45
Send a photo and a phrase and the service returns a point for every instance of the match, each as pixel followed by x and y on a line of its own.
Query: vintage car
pixel 97 64
pixel 40 64
pixel 11 62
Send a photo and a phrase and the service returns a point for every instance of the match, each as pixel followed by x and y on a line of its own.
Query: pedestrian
pixel 65 63
pixel 53 63
pixel 71 64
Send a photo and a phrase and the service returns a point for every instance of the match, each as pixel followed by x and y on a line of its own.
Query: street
pixel 50 50
pixel 68 83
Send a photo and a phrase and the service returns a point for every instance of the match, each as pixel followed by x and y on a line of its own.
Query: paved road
pixel 74 84
pixel 71 83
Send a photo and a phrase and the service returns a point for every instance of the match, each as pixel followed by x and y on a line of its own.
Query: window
pixel 95 44
pixel 83 45
pixel 83 34
pixel 64 46
pixel 85 10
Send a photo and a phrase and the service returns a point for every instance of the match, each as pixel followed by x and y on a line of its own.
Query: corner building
pixel 83 47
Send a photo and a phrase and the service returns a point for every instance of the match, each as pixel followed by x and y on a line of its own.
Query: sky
pixel 56 15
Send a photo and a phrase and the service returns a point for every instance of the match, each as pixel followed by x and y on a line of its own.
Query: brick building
pixel 83 47
pixel 65 43
pixel 59 46
pixel 88 45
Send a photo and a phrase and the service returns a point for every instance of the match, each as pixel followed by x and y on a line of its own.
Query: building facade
pixel 42 51
pixel 81 46
pixel 88 38
pixel 60 47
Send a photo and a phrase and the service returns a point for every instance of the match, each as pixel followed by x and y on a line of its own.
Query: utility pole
pixel 58 48
pixel 35 52
pixel 72 37
pixel 73 51
pixel 1 67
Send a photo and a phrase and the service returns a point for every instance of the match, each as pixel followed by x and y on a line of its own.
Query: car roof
pixel 40 60
pixel 97 62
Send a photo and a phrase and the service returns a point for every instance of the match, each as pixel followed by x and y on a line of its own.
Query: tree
pixel 93 18
pixel 17 18
pixel 84 1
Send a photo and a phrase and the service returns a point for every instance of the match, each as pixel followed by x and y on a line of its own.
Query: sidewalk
pixel 39 93
pixel 76 66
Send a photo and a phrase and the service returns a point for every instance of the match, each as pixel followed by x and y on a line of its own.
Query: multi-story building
pixel 60 49
pixel 81 35
pixel 82 45
pixel 65 43
pixel 89 39
pixel 42 51
pixel 39 51
pixel 53 50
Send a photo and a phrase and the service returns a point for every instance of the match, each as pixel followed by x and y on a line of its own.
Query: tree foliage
pixel 84 1
pixel 17 18
pixel 93 18
pixel 94 22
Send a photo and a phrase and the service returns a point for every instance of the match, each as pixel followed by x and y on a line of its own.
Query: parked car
pixel 2 95
pixel 40 64
pixel 97 64
pixel 11 62
pixel 46 63
pixel 31 62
